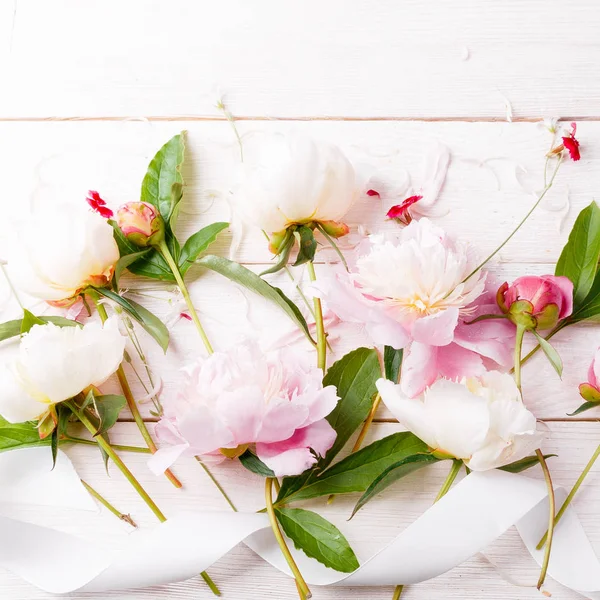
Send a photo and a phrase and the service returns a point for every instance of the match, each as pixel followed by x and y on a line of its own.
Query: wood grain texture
pixel 241 574
pixel 495 169
pixel 314 59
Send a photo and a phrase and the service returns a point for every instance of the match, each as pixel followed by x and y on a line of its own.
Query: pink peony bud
pixel 141 223
pixel 537 302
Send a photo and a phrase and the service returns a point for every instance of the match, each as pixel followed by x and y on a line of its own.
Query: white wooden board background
pixel 91 89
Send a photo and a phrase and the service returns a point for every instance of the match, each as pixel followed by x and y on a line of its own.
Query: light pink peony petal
pixel 419 368
pixel 454 362
pixel 436 330
pixel 293 456
pixel 165 457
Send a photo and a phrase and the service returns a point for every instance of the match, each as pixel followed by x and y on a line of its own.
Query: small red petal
pixel 572 145
pixel 400 210
pixel 185 316
pixel 105 212
pixel 95 196
pixel 373 193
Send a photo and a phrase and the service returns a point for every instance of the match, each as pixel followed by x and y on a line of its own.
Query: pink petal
pixel 293 456
pixel 454 362
pixel 419 368
pixel 165 457
pixel 436 330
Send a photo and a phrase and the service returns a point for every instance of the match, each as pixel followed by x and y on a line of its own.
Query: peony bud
pixel 536 302
pixel 141 224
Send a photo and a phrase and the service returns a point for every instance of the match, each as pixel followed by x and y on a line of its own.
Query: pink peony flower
pixel 230 400
pixel 537 301
pixel 411 288
pixel 141 223
pixel 474 350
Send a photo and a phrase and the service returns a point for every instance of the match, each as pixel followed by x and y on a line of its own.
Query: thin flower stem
pixel 130 477
pixel 10 285
pixel 537 202
pixel 548 478
pixel 321 336
pixel 571 495
pixel 217 484
pixel 454 471
pixel 131 403
pixel 365 428
pixel 164 250
pixel 303 590
pixel 398 592
pixel 300 292
pixel 560 326
pixel 115 458
pixel 76 440
pixel 108 505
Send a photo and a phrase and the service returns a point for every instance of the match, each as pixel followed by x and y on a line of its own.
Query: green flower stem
pixel 549 336
pixel 131 403
pixel 76 440
pixel 115 458
pixel 321 336
pixel 129 476
pixel 398 592
pixel 164 250
pixel 303 591
pixel 571 495
pixel 548 478
pixel 537 202
pixel 454 471
pixel 107 504
pixel 217 484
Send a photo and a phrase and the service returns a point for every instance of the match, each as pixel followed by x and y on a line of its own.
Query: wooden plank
pixel 494 169
pixel 381 58
pixel 242 574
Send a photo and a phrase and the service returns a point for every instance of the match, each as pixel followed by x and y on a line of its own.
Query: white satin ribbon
pixel 472 515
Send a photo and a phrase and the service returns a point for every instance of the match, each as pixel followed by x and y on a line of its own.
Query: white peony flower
pixel 51 364
pixel 482 421
pixel 286 180
pixel 59 252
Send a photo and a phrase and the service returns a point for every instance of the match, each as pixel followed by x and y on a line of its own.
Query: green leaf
pixel 251 281
pixel 54 446
pixel 151 324
pixel 29 320
pixel 125 262
pixel 589 309
pixel 524 463
pixel 354 377
pixel 318 538
pixel 19 435
pixel 551 354
pixel 579 258
pixel 251 462
pixel 108 408
pixel 284 254
pixel 198 243
pixel 12 329
pixel 122 302
pixel 585 406
pixel 307 245
pixel 358 470
pixel 164 171
pixel 393 473
pixel 392 362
